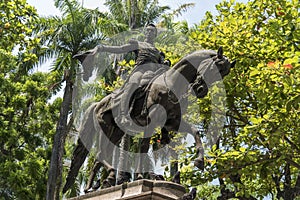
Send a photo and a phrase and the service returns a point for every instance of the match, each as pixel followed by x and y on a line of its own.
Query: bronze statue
pixel 198 70
pixel 148 59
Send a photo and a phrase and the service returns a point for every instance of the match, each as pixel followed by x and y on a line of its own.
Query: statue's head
pixel 150 32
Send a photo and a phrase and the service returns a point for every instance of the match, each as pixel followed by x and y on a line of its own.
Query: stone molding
pixel 138 190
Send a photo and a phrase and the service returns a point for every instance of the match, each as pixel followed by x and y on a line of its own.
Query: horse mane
pixel 195 57
pixel 205 53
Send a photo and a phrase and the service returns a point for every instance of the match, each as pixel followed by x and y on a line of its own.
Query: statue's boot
pixel 110 181
pixel 128 90
pixel 123 178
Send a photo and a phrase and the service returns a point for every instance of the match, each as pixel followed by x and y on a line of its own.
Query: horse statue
pixel 161 103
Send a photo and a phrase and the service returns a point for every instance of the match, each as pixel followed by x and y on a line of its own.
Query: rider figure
pixel 148 58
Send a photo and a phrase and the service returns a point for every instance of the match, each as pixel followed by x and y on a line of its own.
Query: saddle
pixel 141 92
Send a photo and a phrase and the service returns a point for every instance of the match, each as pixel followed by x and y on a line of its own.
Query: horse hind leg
pixel 78 158
pixel 109 180
pixel 96 168
pixel 102 157
pixel 84 143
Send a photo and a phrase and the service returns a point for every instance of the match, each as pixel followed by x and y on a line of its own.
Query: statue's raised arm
pixel 130 46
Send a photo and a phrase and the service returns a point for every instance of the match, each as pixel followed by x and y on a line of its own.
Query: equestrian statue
pixel 144 103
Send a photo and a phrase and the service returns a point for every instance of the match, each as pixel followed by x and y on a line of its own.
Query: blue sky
pixel 193 15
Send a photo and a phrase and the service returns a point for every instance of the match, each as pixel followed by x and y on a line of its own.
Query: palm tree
pixel 135 13
pixel 77 29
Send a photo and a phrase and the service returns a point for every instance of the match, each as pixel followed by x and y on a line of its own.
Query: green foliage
pixel 26 119
pixel 258 152
pixel 16 16
pixel 134 13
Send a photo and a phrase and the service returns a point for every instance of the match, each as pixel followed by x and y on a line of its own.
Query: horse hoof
pixel 139 177
pixel 123 178
pixel 105 184
pixel 96 186
pixel 199 163
pixel 109 182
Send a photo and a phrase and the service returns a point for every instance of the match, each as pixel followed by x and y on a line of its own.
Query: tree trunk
pixel 56 162
pixel 288 190
pixel 133 14
pixel 174 164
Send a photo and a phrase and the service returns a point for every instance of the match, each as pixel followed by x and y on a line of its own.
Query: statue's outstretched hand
pixel 82 55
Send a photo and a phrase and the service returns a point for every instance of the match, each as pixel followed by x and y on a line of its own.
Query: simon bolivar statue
pixel 148 59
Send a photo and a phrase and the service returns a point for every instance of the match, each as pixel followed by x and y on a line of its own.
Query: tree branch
pixel 291 162
pixel 292 144
pixel 276 179
pixel 287 179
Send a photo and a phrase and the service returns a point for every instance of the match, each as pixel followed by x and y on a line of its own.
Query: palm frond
pixel 119 10
pixel 63 61
pixel 67 7
pixel 45 54
pixel 181 9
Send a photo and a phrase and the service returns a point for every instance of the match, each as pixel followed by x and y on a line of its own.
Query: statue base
pixel 138 190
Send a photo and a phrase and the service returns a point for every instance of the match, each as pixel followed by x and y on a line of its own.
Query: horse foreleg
pixel 157 117
pixel 199 161
pixel 188 128
pixel 144 147
pixel 79 155
pixel 165 137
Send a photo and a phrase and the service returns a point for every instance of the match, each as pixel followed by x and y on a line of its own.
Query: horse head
pixel 211 70
pixel 222 63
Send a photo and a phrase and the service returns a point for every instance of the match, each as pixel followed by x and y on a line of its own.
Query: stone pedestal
pixel 138 190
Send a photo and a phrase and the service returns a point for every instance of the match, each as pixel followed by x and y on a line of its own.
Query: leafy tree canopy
pixel 26 119
pixel 257 153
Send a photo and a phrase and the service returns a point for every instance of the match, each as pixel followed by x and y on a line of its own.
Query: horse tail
pixel 84 144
